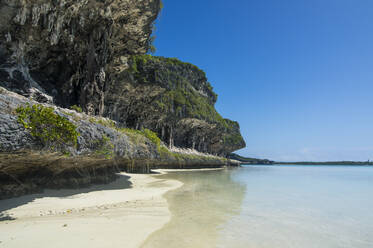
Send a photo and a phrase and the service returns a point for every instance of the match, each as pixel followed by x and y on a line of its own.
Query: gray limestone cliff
pixel 68 51
pixel 90 54
pixel 28 164
pixel 175 100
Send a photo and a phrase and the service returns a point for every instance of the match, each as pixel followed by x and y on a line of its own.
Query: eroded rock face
pixel 69 50
pixel 28 165
pixel 94 135
pixel 175 100
pixel 90 53
pixel 213 138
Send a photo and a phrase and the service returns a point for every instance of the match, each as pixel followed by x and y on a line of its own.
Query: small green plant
pixel 67 113
pixel 53 130
pixel 136 136
pixel 66 154
pixel 76 108
pixel 105 147
pixel 103 122
pixel 161 5
pixel 164 152
pixel 151 48
pixel 152 136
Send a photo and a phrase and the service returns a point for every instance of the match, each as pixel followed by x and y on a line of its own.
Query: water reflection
pixel 206 201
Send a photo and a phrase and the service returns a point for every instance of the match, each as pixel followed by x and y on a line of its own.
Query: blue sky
pixel 296 74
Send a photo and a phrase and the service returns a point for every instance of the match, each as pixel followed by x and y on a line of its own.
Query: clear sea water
pixel 270 207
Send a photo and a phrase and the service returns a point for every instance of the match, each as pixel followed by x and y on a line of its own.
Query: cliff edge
pixel 90 56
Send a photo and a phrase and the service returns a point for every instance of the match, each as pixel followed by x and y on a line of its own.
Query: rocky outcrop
pixel 28 165
pixel 27 172
pixel 79 52
pixel 91 54
pixel 175 100
pixel 68 51
pixel 97 136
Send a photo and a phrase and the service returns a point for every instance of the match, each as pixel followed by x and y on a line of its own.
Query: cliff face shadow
pixel 121 183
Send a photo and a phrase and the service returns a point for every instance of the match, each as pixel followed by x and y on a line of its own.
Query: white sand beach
pixel 121 214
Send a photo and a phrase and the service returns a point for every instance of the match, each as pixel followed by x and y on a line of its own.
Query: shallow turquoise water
pixel 271 207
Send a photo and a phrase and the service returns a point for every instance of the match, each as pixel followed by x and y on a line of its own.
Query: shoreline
pixel 165 171
pixel 126 212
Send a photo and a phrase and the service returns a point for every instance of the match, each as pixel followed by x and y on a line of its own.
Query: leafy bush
pixel 76 108
pixel 161 5
pixel 152 136
pixel 151 48
pixel 105 147
pixel 233 139
pixel 53 130
pixel 138 61
pixel 192 104
pixel 103 122
pixel 136 136
pixel 180 94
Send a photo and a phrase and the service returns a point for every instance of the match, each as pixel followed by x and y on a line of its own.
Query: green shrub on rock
pixel 105 147
pixel 77 108
pixel 103 122
pixel 138 136
pixel 53 130
pixel 152 136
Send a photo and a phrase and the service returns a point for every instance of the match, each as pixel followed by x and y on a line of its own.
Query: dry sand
pixel 121 214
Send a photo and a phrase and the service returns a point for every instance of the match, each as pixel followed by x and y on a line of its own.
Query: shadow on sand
pixel 121 183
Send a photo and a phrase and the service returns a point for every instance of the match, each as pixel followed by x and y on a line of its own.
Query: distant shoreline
pixel 311 163
pixel 257 161
pixel 327 163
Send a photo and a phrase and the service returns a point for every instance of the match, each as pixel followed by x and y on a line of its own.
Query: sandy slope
pixel 121 214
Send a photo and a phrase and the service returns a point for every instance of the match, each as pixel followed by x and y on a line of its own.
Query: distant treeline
pixel 249 160
pixel 245 160
pixel 329 163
